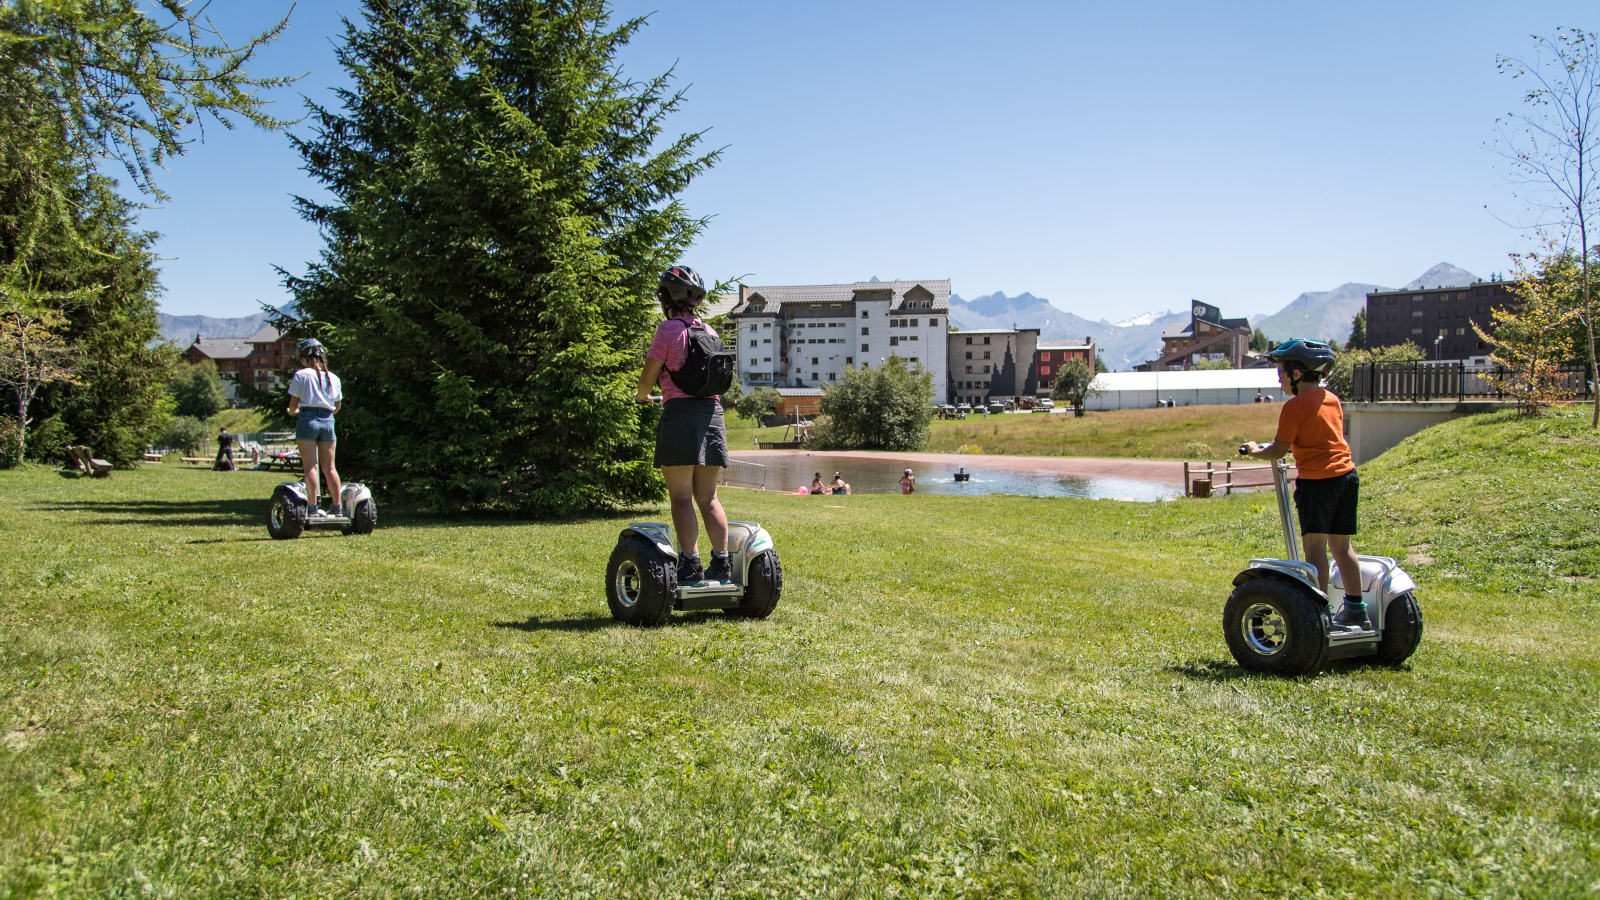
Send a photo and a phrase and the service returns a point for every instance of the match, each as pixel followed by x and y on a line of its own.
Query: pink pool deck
pixel 1150 469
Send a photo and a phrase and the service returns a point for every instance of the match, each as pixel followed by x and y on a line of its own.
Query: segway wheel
pixel 285 517
pixel 639 583
pixel 1402 630
pixel 763 587
pixel 1276 626
pixel 363 519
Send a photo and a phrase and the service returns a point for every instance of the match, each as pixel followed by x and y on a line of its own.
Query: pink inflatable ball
pixel 803 491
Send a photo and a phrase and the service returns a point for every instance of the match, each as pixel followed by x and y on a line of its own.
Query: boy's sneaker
pixel 318 513
pixel 689 571
pixel 1352 615
pixel 720 569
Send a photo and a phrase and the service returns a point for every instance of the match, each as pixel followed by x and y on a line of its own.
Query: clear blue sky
pixel 1114 158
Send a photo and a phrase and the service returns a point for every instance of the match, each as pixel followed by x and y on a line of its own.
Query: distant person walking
pixel 908 482
pixel 224 452
pixel 314 396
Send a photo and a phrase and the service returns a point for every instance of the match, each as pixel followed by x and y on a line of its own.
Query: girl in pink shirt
pixel 691 440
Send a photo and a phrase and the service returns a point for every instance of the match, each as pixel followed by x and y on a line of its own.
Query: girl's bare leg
pixel 308 460
pixel 680 493
pixel 335 487
pixel 705 496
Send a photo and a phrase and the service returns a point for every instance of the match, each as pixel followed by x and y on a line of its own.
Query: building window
pixel 933 323
pixel 986 356
pixel 1443 332
pixel 752 360
pixel 1416 331
pixel 985 370
pixel 766 340
pixel 849 360
pixel 813 362
pixel 816 306
pixel 912 338
pixel 969 340
pixel 863 331
pixel 863 314
pixel 913 323
pixel 894 340
pixel 833 306
pixel 813 374
pixel 1044 357
pixel 1044 370
pixel 986 340
pixel 766 359
pixel 1416 314
pixel 969 370
pixel 864 348
pixel 754 344
pixel 831 376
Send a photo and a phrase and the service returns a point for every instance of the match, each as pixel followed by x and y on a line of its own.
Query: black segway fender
pixel 1304 573
pixel 656 533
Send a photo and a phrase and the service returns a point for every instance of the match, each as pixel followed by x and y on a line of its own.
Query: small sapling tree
pixel 1073 385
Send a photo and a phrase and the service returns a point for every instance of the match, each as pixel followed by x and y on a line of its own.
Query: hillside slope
pixel 1490 498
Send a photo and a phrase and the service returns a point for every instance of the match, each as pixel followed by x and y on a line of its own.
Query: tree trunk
pixel 1588 321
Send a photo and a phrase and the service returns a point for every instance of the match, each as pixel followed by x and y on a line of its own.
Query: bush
pixel 887 408
pixel 758 403
pixel 1212 365
pixel 9 457
pixel 185 433
pixel 1341 381
pixel 48 440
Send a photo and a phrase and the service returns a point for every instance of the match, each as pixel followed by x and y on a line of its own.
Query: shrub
pixel 185 433
pixel 1341 381
pixel 758 403
pixel 48 440
pixel 886 408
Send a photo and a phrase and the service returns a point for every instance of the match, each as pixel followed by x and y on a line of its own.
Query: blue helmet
pixel 311 347
pixel 1313 356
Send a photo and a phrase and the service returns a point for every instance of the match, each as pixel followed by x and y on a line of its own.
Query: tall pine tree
pixel 502 211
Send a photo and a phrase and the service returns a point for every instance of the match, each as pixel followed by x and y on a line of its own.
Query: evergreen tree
pixel 197 390
pixel 1259 342
pixel 83 81
pixel 502 211
pixel 1358 332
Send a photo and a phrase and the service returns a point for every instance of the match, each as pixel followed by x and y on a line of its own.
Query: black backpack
pixel 708 369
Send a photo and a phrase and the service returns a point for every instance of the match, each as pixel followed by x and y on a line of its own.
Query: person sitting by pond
pixel 908 482
pixel 816 483
pixel 837 485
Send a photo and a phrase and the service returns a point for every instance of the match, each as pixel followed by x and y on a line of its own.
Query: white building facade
pixel 808 336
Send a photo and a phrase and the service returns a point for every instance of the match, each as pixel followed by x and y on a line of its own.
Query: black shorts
pixel 691 433
pixel 1327 505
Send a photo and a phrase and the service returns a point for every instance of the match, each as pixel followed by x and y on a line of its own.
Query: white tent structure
pixel 1210 387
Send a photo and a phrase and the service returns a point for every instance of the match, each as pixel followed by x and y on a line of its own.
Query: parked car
pixel 1047 403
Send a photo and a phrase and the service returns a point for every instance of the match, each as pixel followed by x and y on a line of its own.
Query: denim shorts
pixel 314 423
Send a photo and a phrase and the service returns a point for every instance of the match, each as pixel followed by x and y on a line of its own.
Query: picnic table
pixel 83 459
pixel 289 461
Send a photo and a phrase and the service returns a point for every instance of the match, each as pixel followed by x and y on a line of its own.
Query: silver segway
pixel 642 577
pixel 1277 620
pixel 290 511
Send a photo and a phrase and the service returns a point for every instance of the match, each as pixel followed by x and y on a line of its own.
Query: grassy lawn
pixel 977 697
pixel 1184 432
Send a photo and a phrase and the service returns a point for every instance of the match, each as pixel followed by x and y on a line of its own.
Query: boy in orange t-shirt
pixel 1327 488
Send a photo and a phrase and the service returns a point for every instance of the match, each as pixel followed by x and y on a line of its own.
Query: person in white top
pixel 314 396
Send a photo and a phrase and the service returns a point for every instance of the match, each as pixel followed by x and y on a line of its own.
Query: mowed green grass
pixel 1183 432
pixel 974 697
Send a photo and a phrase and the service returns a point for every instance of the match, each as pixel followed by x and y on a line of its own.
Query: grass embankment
pixel 1185 432
pixel 985 696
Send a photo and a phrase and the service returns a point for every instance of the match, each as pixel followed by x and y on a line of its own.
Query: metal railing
pixel 1421 381
pixel 747 474
pixel 1221 479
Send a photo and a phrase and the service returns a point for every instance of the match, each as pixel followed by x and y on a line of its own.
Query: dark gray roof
pixel 222 348
pixel 266 334
pixel 775 295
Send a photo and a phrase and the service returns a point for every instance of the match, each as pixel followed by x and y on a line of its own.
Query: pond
pixel 881 475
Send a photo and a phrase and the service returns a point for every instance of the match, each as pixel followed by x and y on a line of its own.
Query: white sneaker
pixel 319 513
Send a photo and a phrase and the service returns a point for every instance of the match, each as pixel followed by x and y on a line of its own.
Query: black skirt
pixel 691 433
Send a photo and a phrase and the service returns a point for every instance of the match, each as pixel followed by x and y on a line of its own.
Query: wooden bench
pixel 84 459
pixel 197 460
pixel 151 457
